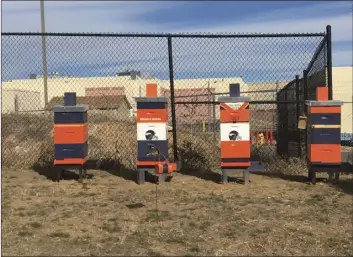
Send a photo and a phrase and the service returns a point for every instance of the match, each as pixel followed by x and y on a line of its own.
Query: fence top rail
pixel 166 35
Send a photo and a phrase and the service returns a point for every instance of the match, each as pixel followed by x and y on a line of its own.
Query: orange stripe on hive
pixel 241 116
pixel 328 153
pixel 152 115
pixel 70 134
pixel 142 163
pixel 234 149
pixel 228 114
pixel 325 109
pixel 235 164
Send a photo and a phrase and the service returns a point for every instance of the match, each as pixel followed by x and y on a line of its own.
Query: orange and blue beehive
pixel 235 130
pixel 152 133
pixel 70 132
pixel 323 132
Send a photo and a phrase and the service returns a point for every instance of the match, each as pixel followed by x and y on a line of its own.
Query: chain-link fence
pixel 107 71
pixel 292 141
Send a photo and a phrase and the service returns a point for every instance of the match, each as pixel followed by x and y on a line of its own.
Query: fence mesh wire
pixel 293 139
pixel 107 72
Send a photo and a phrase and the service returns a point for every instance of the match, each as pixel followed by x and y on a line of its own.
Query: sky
pixel 253 59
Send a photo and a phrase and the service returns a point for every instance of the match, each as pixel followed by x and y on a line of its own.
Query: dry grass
pixel 270 216
pixel 28 140
pixel 277 214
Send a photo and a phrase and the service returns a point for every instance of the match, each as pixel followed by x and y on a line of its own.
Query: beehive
pixel 70 132
pixel 152 131
pixel 235 129
pixel 323 133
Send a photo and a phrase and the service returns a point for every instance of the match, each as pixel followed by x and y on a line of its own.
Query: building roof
pixel 95 102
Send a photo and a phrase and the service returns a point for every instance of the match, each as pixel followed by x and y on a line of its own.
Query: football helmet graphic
pixel 233 135
pixel 151 135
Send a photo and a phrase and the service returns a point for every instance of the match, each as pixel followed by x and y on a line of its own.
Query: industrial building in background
pixel 28 95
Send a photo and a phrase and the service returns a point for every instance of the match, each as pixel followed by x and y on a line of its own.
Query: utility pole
pixel 44 52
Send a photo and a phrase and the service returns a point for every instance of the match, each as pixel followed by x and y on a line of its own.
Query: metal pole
pixel 329 61
pixel 305 78
pixel 286 124
pixel 172 99
pixel 214 117
pixel 298 112
pixel 209 107
pixel 45 72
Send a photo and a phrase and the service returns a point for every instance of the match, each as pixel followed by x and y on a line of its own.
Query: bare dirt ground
pixel 273 215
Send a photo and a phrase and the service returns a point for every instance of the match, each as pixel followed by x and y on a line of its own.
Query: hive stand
pixel 235 135
pixel 70 136
pixel 324 136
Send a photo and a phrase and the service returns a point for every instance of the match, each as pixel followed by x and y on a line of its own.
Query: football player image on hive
pixel 234 135
pixel 151 135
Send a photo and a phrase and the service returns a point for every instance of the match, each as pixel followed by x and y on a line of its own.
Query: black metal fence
pixel 292 141
pixel 108 70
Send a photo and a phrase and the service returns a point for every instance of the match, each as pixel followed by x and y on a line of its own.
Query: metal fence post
pixel 329 61
pixel 44 53
pixel 297 84
pixel 286 124
pixel 278 132
pixel 172 98
pixel 214 116
pixel 305 82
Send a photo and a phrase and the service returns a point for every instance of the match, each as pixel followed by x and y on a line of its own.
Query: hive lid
pixel 160 99
pixel 324 103
pixel 229 99
pixel 75 108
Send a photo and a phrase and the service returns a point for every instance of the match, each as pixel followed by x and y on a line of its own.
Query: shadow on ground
pixel 50 173
pixel 212 176
pixel 294 178
pixel 117 169
pixel 346 185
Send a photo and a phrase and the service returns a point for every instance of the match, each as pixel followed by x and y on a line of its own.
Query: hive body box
pixel 324 135
pixel 152 133
pixel 70 135
pixel 235 134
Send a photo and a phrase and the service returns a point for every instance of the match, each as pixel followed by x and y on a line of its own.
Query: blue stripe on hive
pixel 70 151
pixel 146 149
pixel 324 136
pixel 325 119
pixel 325 164
pixel 151 105
pixel 70 117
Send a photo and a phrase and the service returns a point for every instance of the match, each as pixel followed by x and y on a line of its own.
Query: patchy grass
pixel 28 139
pixel 270 216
